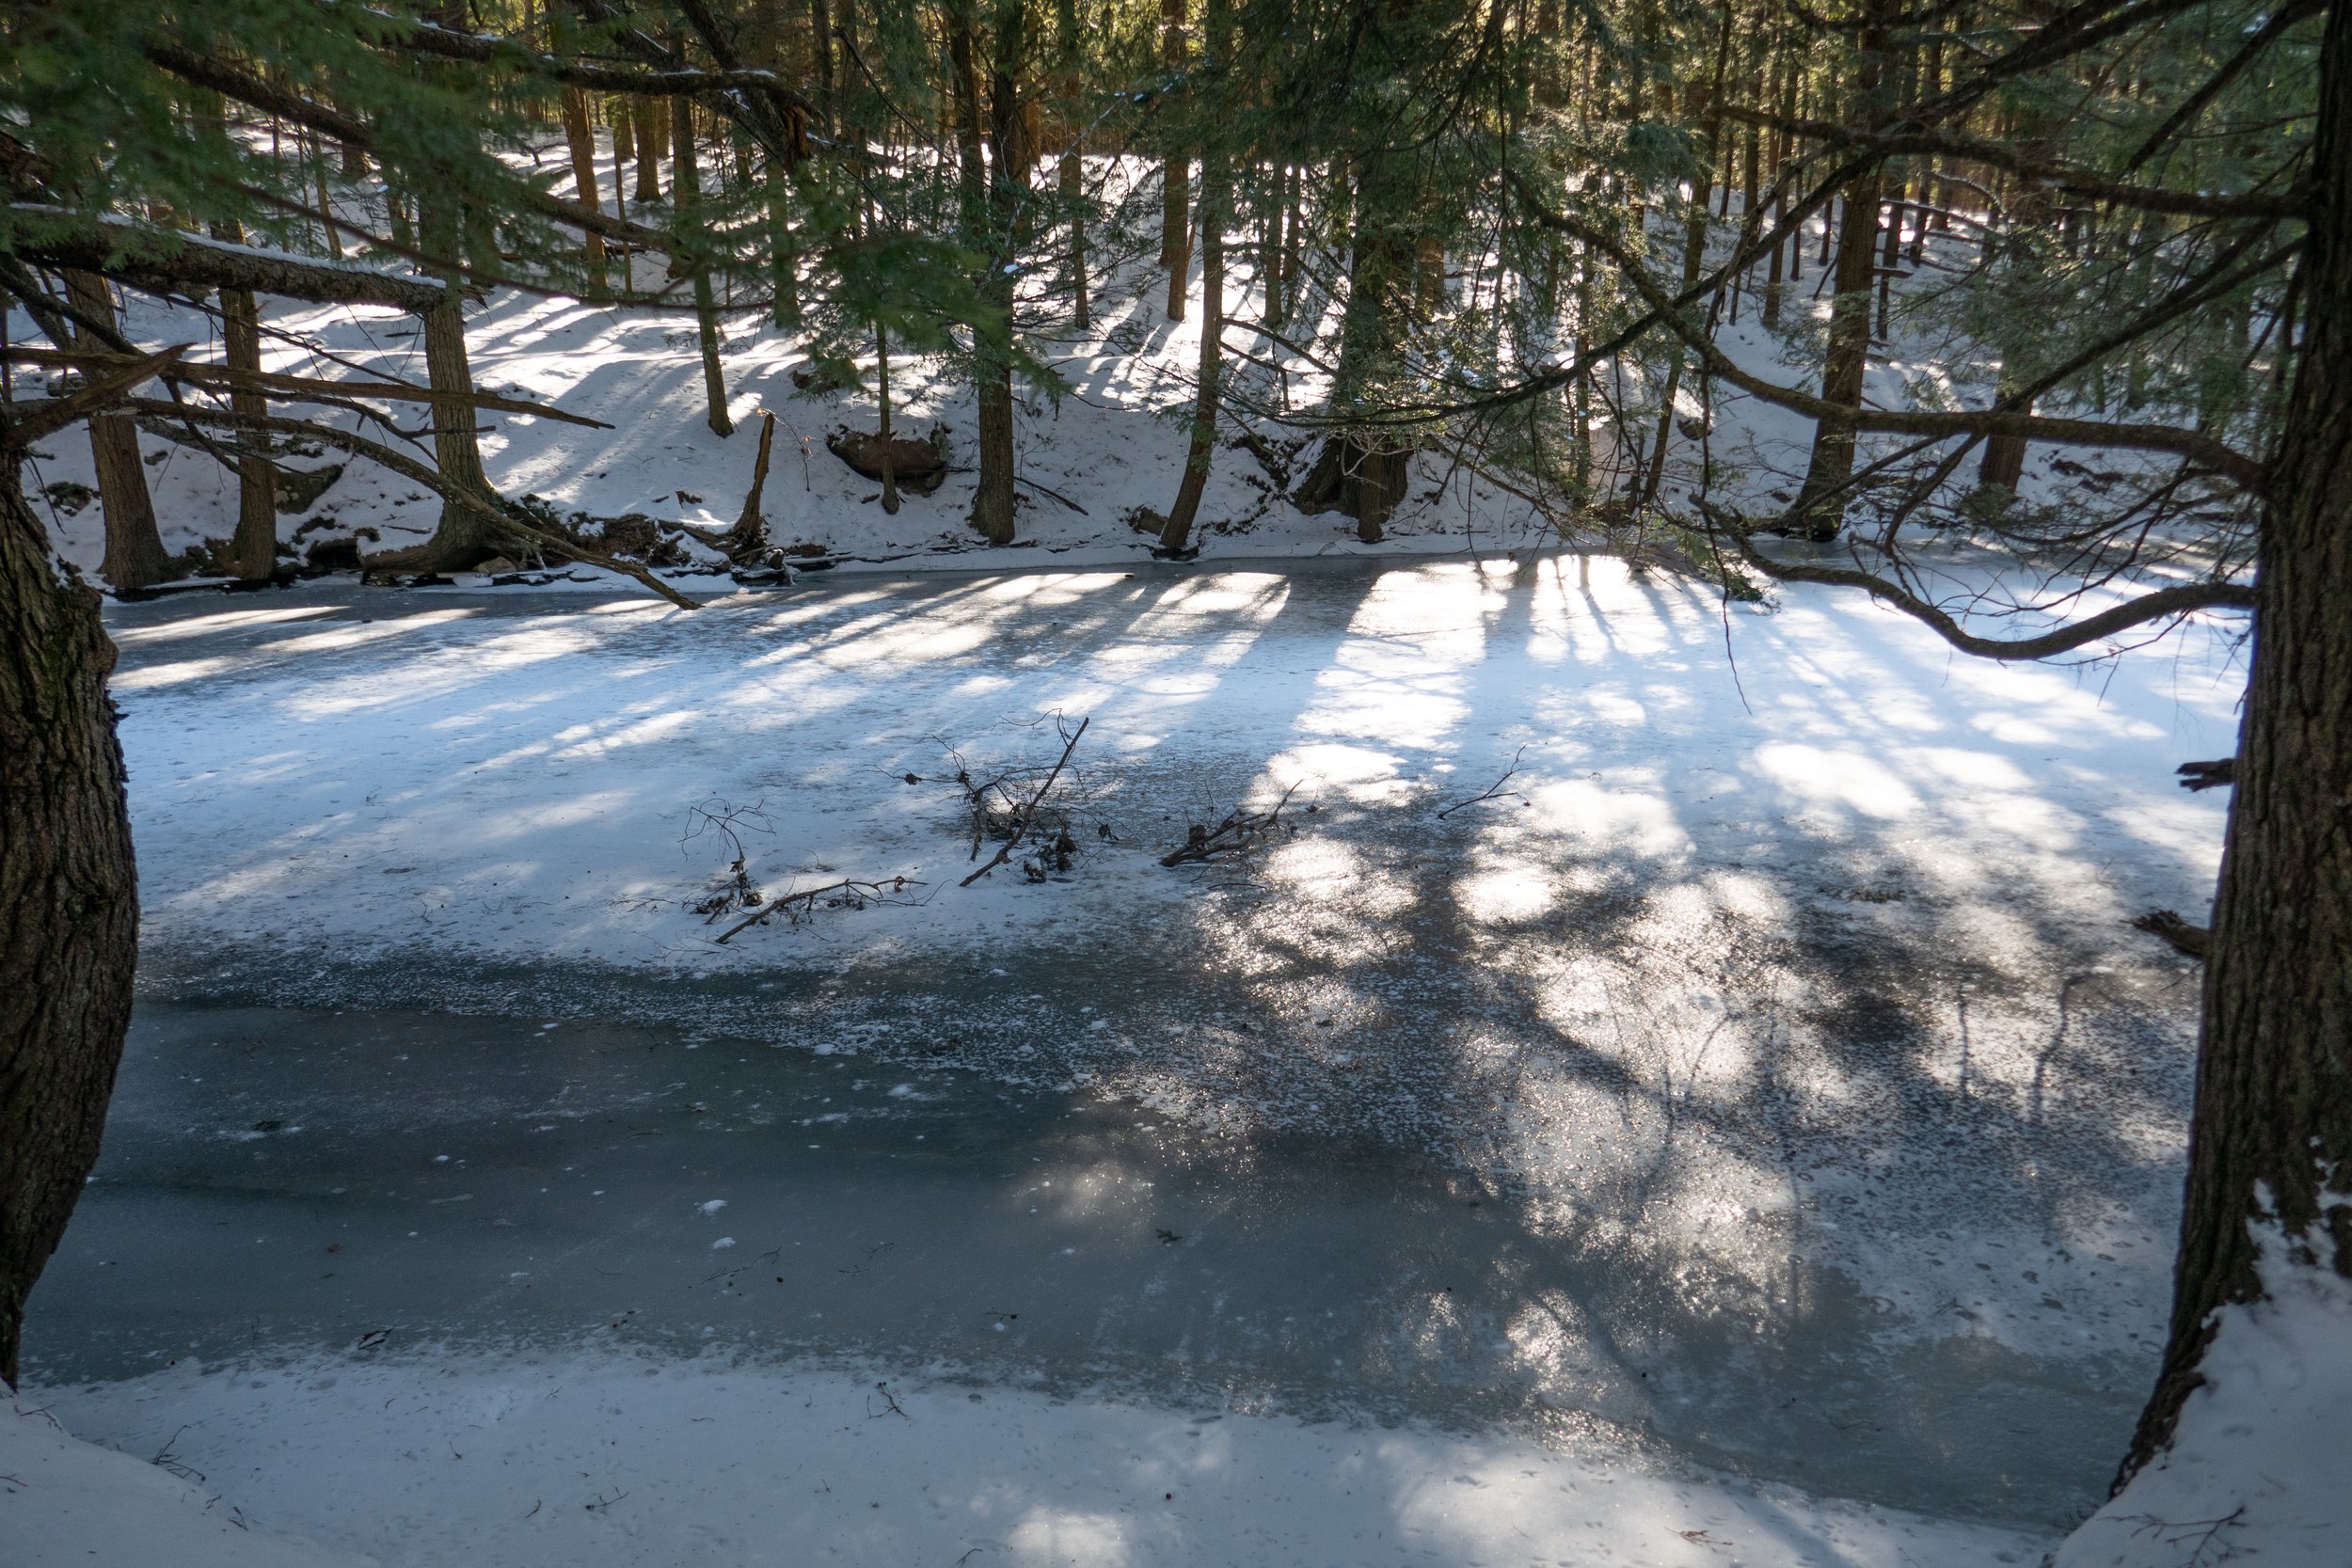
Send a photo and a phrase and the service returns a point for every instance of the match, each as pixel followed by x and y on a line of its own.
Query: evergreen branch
pixel 2214 86
pixel 296 386
pixel 150 257
pixel 489 49
pixel 2074 181
pixel 230 82
pixel 2193 444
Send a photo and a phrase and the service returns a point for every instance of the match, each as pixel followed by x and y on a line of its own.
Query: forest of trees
pixel 1508 230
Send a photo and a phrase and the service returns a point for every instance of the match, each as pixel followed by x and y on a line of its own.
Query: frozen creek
pixel 1765 1083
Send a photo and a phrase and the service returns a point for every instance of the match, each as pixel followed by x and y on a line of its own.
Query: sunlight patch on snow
pixel 1357 774
pixel 220 620
pixel 1600 820
pixel 1503 894
pixel 1843 778
pixel 153 677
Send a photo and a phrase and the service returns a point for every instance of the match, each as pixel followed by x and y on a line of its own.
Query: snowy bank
pixel 66 1501
pixel 598 1460
pixel 2259 1466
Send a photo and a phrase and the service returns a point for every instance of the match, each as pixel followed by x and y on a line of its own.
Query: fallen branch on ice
pixel 1239 832
pixel 850 894
pixel 1492 791
pixel 1026 813
pixel 2168 926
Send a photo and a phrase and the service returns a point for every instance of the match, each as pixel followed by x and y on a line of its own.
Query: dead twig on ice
pixel 1493 790
pixel 1240 832
pixel 737 892
pixel 848 894
pixel 1025 813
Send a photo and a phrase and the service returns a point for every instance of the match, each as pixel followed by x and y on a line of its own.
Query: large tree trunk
pixel 2271 1141
pixel 653 127
pixel 134 552
pixel 1820 511
pixel 581 133
pixel 1363 473
pixel 70 939
pixel 988 200
pixel 253 549
pixel 464 537
pixel 1216 199
pixel 1175 175
pixel 686 182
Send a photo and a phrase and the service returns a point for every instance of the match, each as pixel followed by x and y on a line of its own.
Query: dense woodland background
pixel 1505 230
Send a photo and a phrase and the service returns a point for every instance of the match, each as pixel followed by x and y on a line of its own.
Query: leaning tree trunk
pixel 2271 1138
pixel 134 550
pixel 71 939
pixel 1215 196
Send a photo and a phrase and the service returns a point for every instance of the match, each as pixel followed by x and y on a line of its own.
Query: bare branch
pixel 2162 605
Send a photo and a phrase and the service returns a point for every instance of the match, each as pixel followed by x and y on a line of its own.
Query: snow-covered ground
pixel 1086 461
pixel 2258 1469
pixel 613 1459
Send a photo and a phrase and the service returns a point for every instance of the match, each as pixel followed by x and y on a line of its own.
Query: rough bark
pixel 989 195
pixel 1175 174
pixel 2271 1137
pixel 253 547
pixel 134 550
pixel 466 534
pixel 1362 473
pixel 581 136
pixel 686 182
pixel 169 260
pixel 2003 462
pixel 1216 201
pixel 1821 508
pixel 653 128
pixel 70 940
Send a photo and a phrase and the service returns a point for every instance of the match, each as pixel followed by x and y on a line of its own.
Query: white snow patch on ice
pixel 66 1501
pixel 588 1460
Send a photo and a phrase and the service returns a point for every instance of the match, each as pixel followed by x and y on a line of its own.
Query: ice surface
pixel 1763 1084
